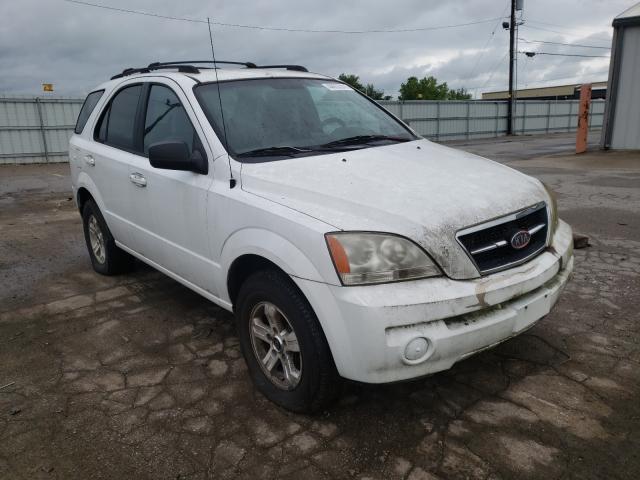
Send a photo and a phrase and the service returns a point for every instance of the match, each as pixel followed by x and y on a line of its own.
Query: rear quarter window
pixel 87 107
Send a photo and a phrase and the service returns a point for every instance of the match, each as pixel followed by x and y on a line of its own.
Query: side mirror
pixel 176 156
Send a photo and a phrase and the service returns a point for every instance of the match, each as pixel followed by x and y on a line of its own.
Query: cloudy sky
pixel 76 47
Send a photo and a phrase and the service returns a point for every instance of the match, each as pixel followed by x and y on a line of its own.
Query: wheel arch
pixel 242 255
pixel 86 190
pixel 253 248
pixel 242 268
pixel 82 197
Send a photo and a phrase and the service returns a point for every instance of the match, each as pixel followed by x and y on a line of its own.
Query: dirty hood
pixel 422 190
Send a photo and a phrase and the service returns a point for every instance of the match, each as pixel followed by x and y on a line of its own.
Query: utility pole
pixel 512 45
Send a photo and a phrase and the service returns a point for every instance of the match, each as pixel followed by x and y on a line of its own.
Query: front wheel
pixel 283 344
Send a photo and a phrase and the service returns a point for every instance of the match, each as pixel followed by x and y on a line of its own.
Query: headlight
pixel 553 210
pixel 364 258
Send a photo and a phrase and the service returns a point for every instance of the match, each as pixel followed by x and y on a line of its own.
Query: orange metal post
pixel 583 118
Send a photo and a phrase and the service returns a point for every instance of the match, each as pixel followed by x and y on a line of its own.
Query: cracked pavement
pixel 137 377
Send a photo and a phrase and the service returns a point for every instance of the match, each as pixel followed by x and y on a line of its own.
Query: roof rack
pixel 201 62
pixel 297 68
pixel 180 68
pixel 194 66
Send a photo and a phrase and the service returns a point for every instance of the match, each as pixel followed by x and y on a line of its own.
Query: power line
pixel 533 54
pixel 280 29
pixel 546 80
pixel 561 27
pixel 555 31
pixel 137 12
pixel 493 71
pixel 565 44
pixel 547 23
pixel 560 78
pixel 484 49
pixel 526 84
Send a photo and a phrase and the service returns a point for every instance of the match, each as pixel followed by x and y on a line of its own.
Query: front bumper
pixel 368 328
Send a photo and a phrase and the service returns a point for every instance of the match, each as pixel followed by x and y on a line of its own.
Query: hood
pixel 421 190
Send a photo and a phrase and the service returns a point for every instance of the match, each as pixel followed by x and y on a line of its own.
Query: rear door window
pixel 87 107
pixel 118 122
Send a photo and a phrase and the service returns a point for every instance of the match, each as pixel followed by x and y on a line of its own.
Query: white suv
pixel 345 245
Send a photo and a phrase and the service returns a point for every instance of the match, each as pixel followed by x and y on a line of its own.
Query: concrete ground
pixel 138 377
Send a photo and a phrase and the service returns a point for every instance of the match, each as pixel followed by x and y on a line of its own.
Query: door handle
pixel 138 179
pixel 88 159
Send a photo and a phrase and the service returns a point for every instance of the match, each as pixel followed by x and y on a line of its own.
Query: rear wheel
pixel 106 257
pixel 283 344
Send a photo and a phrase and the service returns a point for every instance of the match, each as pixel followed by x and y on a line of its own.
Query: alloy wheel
pixel 96 239
pixel 275 345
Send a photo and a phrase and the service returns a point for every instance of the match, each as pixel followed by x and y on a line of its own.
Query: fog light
pixel 416 349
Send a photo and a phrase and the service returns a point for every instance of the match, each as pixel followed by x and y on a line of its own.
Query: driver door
pixel 170 206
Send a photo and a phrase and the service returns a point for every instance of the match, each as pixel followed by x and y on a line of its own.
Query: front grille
pixel 491 247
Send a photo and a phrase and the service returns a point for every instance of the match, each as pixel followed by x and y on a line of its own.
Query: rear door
pixel 105 155
pixel 170 207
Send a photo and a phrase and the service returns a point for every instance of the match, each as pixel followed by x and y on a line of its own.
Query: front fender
pixel 269 245
pixel 295 263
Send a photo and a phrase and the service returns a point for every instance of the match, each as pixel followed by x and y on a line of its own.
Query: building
pixel 558 92
pixel 621 127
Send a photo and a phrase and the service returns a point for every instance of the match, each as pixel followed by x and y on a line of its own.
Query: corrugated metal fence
pixel 453 120
pixel 37 130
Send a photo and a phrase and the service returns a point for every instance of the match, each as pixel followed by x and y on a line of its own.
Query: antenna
pixel 232 181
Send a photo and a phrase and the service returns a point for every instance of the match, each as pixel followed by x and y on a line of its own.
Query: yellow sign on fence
pixel 47 87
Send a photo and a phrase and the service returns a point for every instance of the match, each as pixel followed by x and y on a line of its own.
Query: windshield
pixel 286 117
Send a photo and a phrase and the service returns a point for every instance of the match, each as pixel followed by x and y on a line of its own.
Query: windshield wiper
pixel 290 151
pixel 268 151
pixel 363 139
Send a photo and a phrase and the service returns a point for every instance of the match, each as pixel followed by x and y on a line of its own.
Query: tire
pixel 318 383
pixel 109 260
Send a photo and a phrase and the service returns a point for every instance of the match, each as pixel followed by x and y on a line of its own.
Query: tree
pixel 352 80
pixel 428 88
pixel 459 94
pixel 369 90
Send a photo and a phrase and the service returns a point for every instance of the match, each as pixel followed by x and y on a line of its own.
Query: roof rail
pixel 180 68
pixel 194 66
pixel 297 68
pixel 200 62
